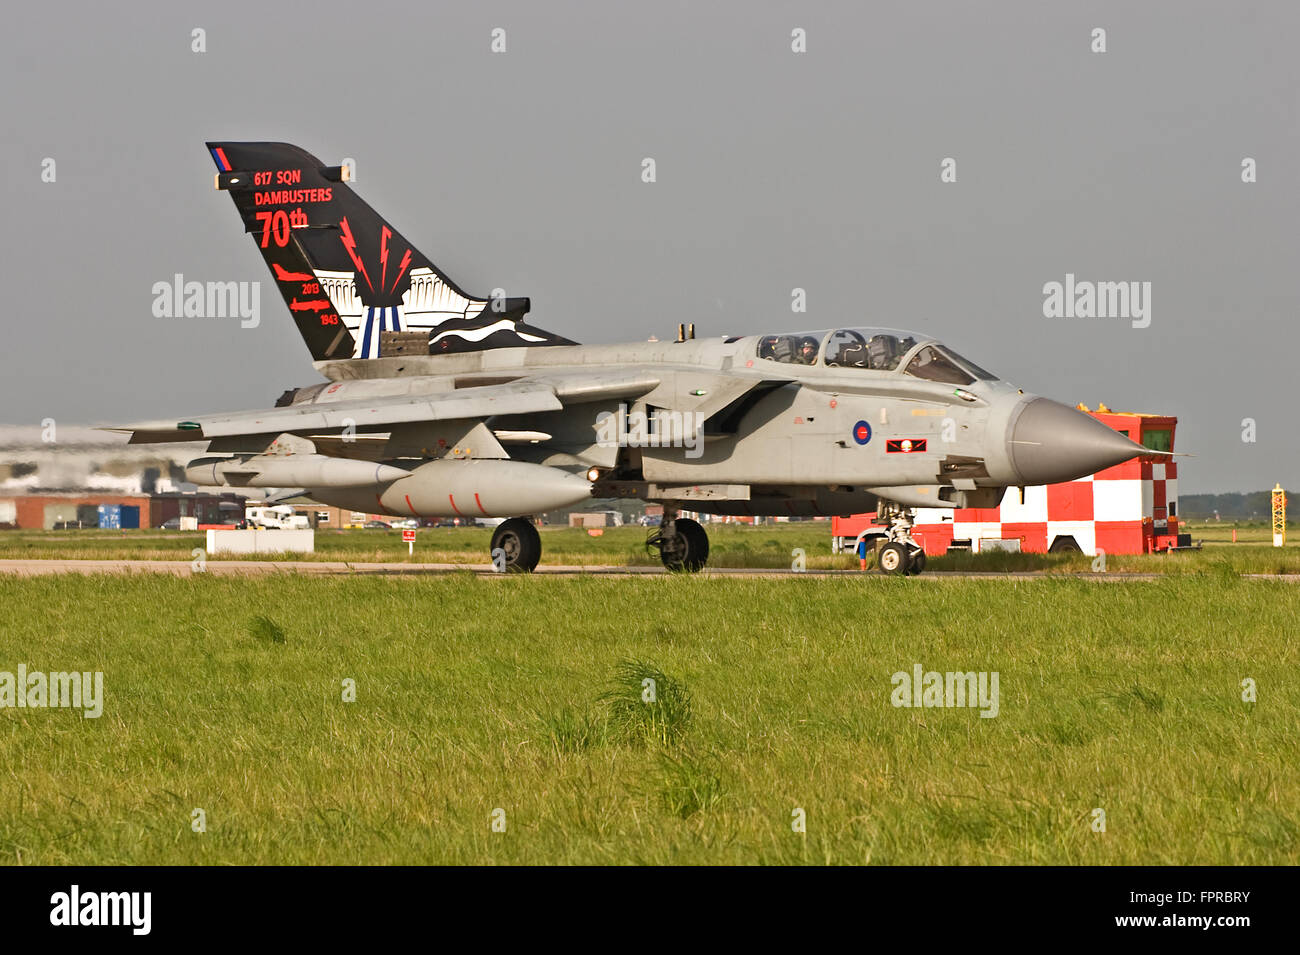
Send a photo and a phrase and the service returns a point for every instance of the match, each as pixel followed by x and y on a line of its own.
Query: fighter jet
pixel 439 403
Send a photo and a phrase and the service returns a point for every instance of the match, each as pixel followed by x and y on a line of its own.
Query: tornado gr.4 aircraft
pixel 441 403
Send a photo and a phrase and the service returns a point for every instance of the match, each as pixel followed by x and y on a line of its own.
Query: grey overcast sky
pixel 776 170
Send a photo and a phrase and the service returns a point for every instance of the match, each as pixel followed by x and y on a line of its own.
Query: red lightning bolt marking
pixel 384 233
pixel 406 260
pixel 350 244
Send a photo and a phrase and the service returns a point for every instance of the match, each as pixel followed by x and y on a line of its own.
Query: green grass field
pixel 524 694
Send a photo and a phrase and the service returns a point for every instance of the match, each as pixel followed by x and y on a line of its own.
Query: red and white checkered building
pixel 1131 508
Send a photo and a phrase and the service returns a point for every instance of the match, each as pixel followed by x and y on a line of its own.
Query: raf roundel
pixel 862 432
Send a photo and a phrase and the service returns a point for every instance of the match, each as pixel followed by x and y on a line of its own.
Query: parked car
pixel 171 524
pixel 406 523
pixel 378 525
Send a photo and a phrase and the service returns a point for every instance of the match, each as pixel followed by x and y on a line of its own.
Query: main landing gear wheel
pixel 893 559
pixel 917 562
pixel 520 544
pixel 683 545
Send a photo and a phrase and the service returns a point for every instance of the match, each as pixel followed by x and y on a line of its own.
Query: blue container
pixel 130 515
pixel 110 516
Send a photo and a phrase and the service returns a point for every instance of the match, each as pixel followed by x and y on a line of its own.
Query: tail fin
pixel 354 285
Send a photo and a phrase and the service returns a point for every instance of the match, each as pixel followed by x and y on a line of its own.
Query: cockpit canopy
pixel 790 349
pixel 874 349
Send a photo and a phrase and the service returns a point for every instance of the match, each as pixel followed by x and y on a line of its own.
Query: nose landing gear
pixel 901 554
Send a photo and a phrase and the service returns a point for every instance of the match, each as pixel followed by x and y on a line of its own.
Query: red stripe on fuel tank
pixel 452 498
pixel 480 505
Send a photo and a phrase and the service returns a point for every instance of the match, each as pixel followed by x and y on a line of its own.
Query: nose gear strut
pixel 900 554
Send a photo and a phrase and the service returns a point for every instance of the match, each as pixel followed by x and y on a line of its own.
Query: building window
pixel 1158 439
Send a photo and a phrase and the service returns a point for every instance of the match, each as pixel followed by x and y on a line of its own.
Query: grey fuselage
pixel 761 435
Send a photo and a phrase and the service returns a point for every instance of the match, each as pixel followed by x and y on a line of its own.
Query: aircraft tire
pixel 691 550
pixel 893 559
pixel 1065 545
pixel 521 543
pixel 917 563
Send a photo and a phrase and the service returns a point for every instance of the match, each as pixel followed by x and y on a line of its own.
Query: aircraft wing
pixel 525 396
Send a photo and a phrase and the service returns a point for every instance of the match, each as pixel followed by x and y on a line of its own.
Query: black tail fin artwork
pixel 354 285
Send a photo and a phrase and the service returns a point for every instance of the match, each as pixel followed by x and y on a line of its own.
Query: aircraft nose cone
pixel 1051 443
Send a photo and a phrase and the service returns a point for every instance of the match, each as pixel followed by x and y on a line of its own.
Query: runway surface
pixel 253 568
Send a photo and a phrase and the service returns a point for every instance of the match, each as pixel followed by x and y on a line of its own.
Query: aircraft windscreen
pixel 971 366
pixel 937 362
pixel 933 365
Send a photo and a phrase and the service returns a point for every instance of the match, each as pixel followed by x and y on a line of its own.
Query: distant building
pixel 65 476
pixel 595 519
pixel 56 510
